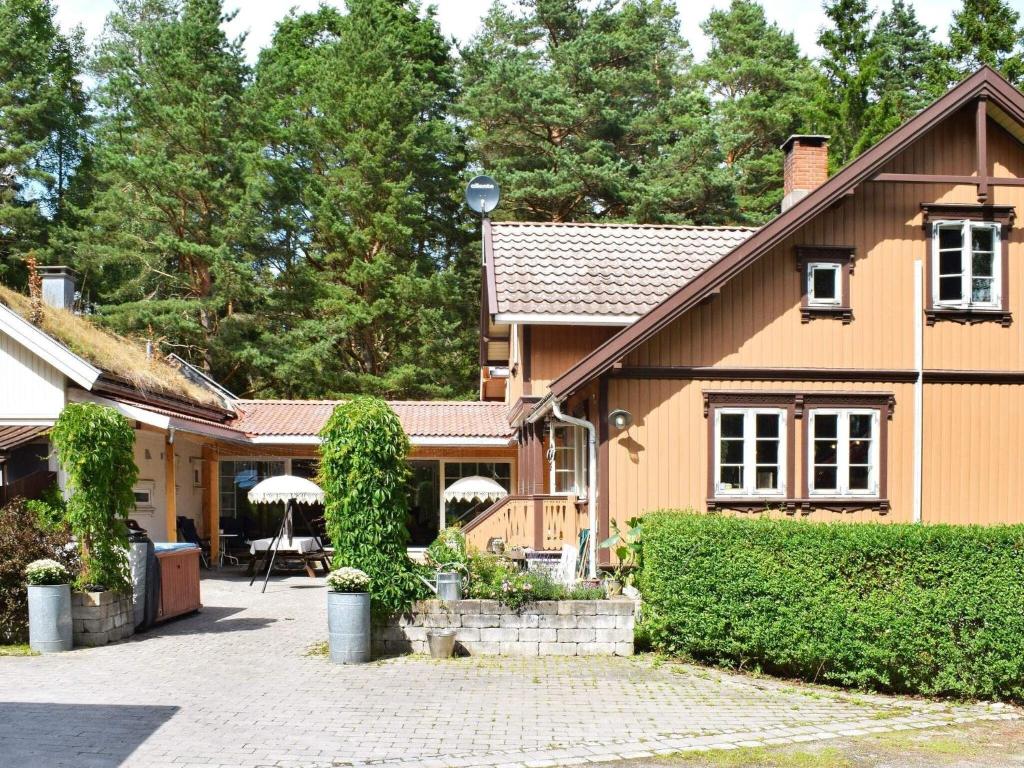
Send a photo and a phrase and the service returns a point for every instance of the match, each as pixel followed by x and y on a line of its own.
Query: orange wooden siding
pixel 555 348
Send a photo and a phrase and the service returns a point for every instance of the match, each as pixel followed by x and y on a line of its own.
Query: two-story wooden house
pixel 860 357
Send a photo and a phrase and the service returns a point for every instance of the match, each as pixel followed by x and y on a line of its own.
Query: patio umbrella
pixel 286 488
pixel 291 490
pixel 475 488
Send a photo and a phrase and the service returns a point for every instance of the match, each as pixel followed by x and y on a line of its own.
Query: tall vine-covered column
pixel 364 471
pixel 95 448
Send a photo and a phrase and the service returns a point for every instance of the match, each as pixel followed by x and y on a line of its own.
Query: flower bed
pixel 487 627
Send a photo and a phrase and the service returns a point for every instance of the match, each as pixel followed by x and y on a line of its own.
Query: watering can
pixel 448 585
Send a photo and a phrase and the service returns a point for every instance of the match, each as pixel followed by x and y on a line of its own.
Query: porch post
pixel 170 490
pixel 211 499
pixel 440 495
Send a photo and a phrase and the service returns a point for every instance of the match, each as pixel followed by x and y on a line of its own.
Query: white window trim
pixel 749 458
pixel 579 448
pixel 966 256
pixel 837 272
pixel 843 453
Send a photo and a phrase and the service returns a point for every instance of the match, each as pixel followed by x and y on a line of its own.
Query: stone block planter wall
pixel 99 618
pixel 485 627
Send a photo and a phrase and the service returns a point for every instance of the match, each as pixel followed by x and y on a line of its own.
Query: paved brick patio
pixel 234 687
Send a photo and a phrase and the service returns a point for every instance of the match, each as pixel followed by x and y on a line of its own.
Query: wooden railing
pixel 538 522
pixel 28 487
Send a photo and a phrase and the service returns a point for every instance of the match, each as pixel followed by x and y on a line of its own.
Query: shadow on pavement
pixel 45 735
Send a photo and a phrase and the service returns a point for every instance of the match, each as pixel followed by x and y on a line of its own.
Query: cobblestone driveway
pixel 234 687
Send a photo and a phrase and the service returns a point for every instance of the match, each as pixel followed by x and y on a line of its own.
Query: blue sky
pixel 461 18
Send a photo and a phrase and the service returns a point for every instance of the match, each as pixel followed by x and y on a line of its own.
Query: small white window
pixel 750 452
pixel 824 284
pixel 966 265
pixel 143 493
pixel 567 454
pixel 843 452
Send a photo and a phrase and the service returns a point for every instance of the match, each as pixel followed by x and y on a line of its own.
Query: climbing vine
pixel 95 445
pixel 364 471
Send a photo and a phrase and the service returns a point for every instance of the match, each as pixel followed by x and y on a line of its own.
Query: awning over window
pixel 12 437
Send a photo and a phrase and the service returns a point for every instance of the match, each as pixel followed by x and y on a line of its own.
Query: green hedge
pixel 930 609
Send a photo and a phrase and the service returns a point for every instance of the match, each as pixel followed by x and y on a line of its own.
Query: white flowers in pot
pixel 348 616
pixel 49 606
pixel 348 580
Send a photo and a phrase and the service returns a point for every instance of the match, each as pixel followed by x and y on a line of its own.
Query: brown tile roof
pixel 436 419
pixel 598 269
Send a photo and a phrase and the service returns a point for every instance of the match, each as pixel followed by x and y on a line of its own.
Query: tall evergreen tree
pixel 585 111
pixel 359 207
pixel 986 32
pixel 904 63
pixel 848 73
pixel 42 117
pixel 159 239
pixel 763 90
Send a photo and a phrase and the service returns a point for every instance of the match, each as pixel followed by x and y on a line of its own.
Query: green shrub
pixel 448 551
pixel 936 610
pixel 363 471
pixel 24 539
pixel 95 448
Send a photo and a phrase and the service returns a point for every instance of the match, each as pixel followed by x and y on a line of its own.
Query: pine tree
pixel 986 32
pixel 763 90
pixel 159 238
pixel 585 111
pixel 359 205
pixel 42 110
pixel 904 64
pixel 847 65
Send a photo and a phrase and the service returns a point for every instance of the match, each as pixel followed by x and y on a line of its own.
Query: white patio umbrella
pixel 286 488
pixel 291 490
pixel 475 488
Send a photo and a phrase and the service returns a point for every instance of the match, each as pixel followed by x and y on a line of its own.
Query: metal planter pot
pixel 348 626
pixel 441 643
pixel 49 618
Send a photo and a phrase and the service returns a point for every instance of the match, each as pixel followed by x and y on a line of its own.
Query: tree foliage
pixel 986 32
pixel 95 447
pixel 42 119
pixel 586 111
pixel 763 90
pixel 364 471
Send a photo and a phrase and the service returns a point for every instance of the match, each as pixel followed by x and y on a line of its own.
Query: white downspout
pixel 556 411
pixel 918 389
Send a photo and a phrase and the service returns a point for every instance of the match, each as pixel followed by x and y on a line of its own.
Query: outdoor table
pixel 305 548
pixel 223 554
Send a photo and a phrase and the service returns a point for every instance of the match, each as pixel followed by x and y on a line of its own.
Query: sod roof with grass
pixel 119 356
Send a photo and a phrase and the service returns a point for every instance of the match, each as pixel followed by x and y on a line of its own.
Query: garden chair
pixel 187 532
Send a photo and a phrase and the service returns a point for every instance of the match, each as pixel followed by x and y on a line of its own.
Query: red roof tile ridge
pixel 623 225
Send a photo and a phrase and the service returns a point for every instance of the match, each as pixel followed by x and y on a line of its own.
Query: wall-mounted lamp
pixel 620 419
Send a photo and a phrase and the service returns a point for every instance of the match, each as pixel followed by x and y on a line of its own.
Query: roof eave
pixel 984 82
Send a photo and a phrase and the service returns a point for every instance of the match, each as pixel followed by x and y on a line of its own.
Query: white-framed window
pixel 567 455
pixel 966 264
pixel 750 452
pixel 143 492
pixel 824 284
pixel 843 451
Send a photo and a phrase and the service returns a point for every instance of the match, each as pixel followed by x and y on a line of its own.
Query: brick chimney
pixel 58 287
pixel 805 168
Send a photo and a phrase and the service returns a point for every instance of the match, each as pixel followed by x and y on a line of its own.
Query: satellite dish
pixel 482 194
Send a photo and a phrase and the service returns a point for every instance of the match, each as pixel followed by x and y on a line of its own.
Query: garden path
pixel 236 686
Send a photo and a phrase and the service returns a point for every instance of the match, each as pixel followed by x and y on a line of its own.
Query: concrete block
pixel 442 620
pixel 623 649
pixel 577 635
pixel 577 607
pixel 519 649
pixel 598 621
pixel 557 649
pixel 561 621
pixel 467 606
pixel 482 649
pixel 595 649
pixel 621 606
pixel 481 620
pixel 544 608
pixel 625 621
pixel 520 620
pixel 531 635
pixel 499 635
pixel 489 606
pixel 91 639
pixel 468 634
pixel 614 635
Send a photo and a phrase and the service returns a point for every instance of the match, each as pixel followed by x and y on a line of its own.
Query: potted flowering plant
pixel 348 616
pixel 49 606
